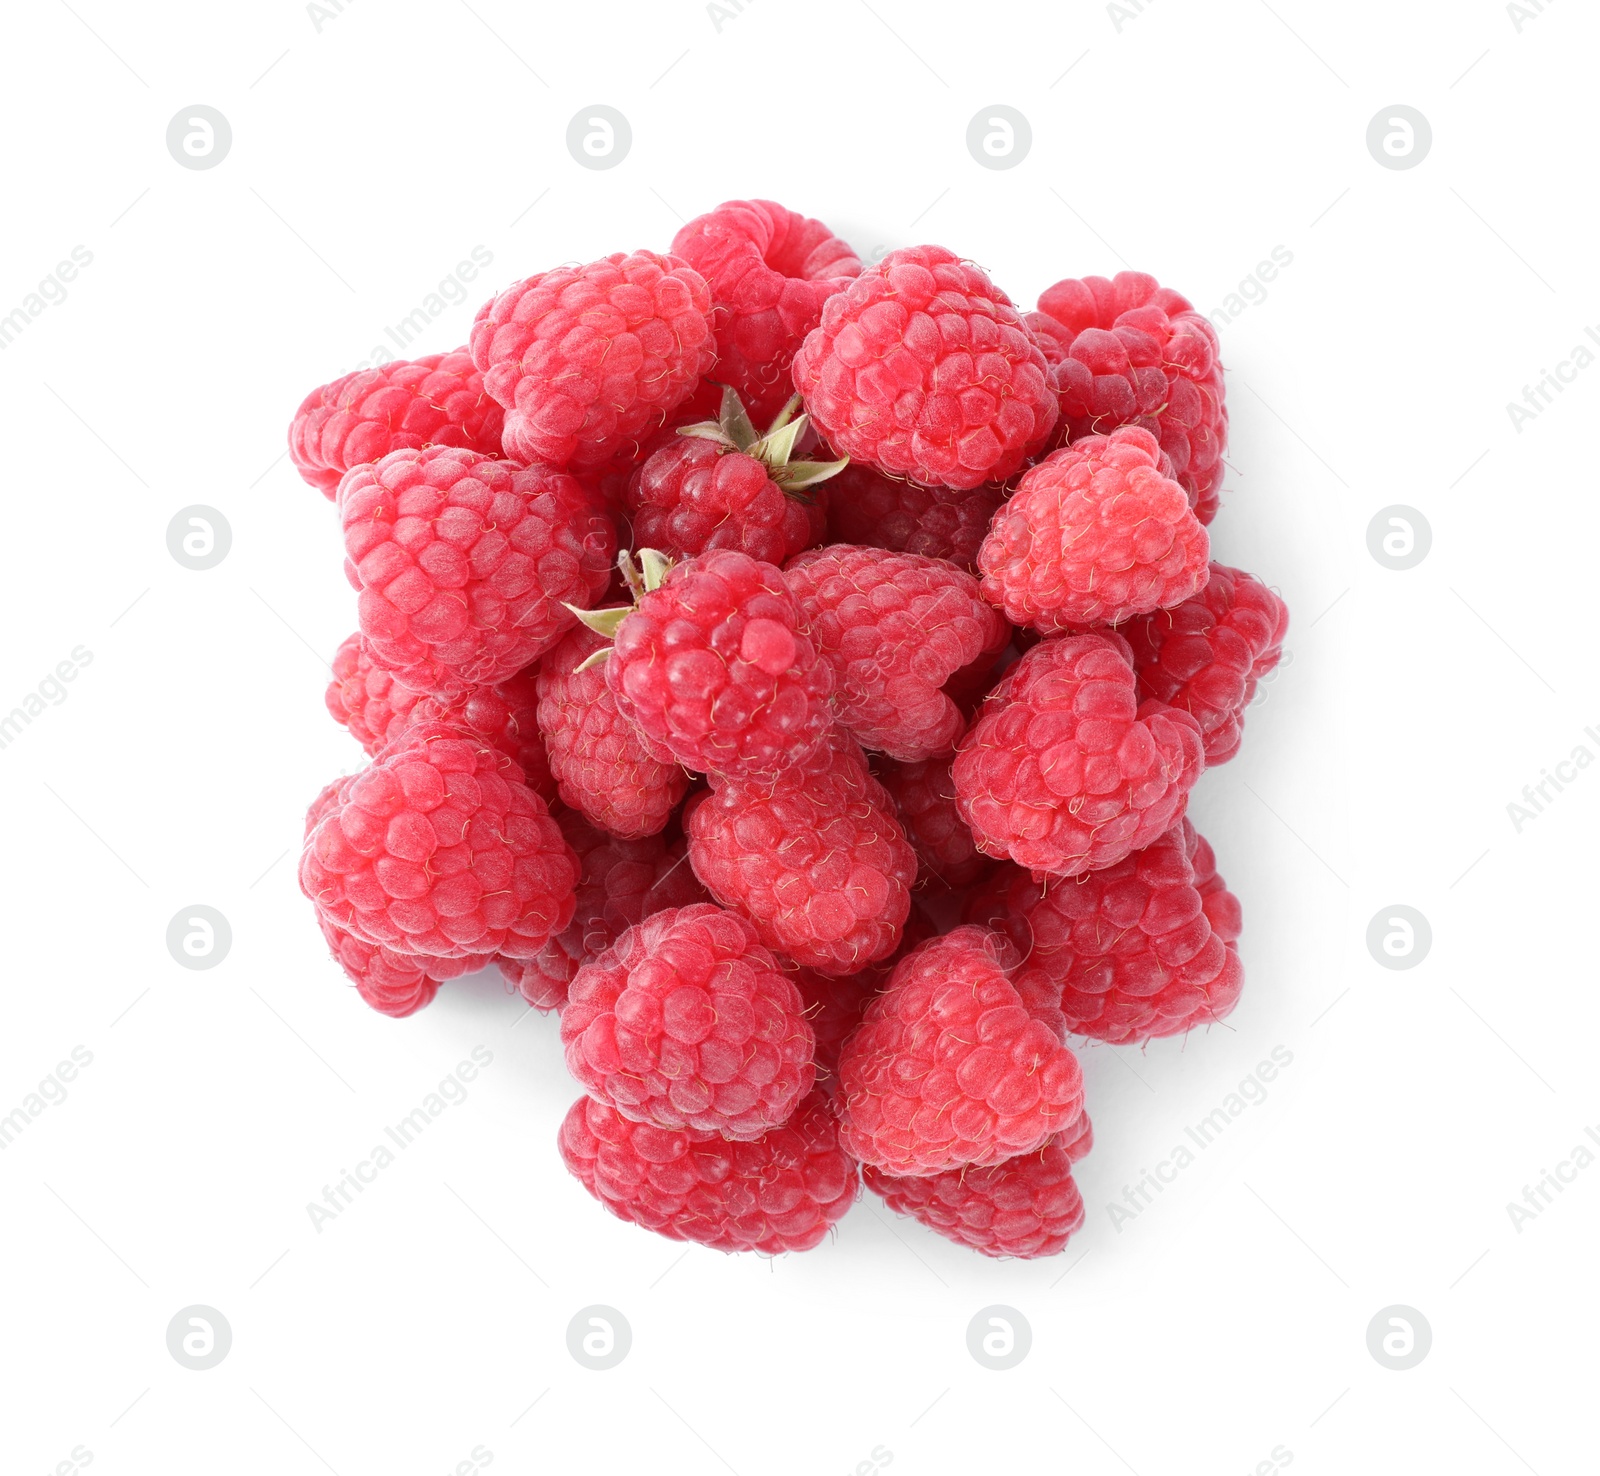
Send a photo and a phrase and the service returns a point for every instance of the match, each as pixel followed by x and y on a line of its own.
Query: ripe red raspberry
pixel 437 400
pixel 815 858
pixel 1131 352
pixel 714 667
pixel 589 359
pixel 622 883
pixel 1065 770
pixel 923 368
pixel 924 795
pixel 719 485
pixel 770 271
pixel 1207 654
pixel 1141 949
pixel 365 698
pixel 894 628
pixel 439 848
pixel 598 757
pixel 948 1068
pixel 1027 1206
pixel 780 1192
pixel 396 984
pixel 866 507
pixel 1094 534
pixel 687 1022
pixel 377 709
pixel 466 565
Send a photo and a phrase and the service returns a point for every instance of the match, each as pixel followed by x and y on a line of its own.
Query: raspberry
pixel 622 883
pixel 949 1069
pixel 923 368
pixel 365 698
pixel 1093 535
pixel 780 1192
pixel 589 359
pixel 770 271
pixel 1141 949
pixel 1027 1206
pixel 687 1022
pixel 377 709
pixel 598 758
pixel 396 984
pixel 924 796
pixel 439 848
pixel 714 667
pixel 465 565
pixel 437 400
pixel 1131 352
pixel 718 486
pixel 1207 654
pixel 869 508
pixel 894 628
pixel 814 858
pixel 1064 770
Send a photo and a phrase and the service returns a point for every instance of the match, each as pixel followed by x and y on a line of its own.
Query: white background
pixel 1226 1319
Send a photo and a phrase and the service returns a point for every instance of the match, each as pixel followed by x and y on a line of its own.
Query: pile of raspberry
pixel 793 674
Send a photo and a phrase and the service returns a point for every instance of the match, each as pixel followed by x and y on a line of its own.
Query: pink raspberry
pixel 948 1068
pixel 894 628
pixel 718 485
pixel 1064 770
pixel 377 709
pixel 466 565
pixel 1131 352
pixel 439 848
pixel 588 360
pixel 924 796
pixel 770 271
pixel 713 665
pixel 814 858
pixel 1027 1206
pixel 687 1022
pixel 1207 654
pixel 395 984
pixel 437 400
pixel 922 368
pixel 1138 950
pixel 780 1192
pixel 598 757
pixel 622 883
pixel 1094 534
pixel 869 508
